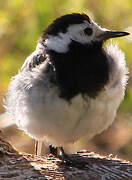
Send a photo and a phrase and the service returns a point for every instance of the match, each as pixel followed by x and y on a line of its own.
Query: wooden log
pixel 81 166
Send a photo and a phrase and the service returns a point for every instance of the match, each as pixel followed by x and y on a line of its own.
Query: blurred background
pixel 21 24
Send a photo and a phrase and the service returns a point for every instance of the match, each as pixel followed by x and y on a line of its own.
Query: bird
pixel 71 86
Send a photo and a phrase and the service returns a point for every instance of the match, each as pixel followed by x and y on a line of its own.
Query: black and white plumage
pixel 70 87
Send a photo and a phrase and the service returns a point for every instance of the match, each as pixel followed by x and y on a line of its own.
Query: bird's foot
pixel 60 153
pixel 53 150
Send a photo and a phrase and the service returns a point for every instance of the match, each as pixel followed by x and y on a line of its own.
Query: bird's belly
pixel 60 122
pixel 39 111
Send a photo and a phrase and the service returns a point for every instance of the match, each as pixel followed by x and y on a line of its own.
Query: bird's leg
pixel 38 147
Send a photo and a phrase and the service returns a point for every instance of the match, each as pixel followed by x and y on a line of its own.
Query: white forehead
pixel 60 42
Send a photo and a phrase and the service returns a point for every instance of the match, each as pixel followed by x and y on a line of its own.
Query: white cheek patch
pixel 76 33
pixel 58 43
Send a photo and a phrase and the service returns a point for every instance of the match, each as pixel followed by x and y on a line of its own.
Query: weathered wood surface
pixel 82 166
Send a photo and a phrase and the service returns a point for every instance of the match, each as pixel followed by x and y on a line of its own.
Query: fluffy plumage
pixel 70 87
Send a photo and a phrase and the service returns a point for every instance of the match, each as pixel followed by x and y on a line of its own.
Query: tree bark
pixel 81 166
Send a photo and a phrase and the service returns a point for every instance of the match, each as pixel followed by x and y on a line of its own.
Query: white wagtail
pixel 70 87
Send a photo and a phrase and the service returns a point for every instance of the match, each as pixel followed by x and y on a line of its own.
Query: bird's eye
pixel 88 31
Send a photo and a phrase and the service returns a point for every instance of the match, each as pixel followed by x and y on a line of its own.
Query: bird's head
pixel 78 28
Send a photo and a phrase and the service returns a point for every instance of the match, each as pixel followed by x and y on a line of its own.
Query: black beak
pixel 112 34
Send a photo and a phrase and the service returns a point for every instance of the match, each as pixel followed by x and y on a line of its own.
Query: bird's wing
pixel 35 59
pixel 38 57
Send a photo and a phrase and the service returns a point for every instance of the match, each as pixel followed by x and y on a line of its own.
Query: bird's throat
pixel 83 69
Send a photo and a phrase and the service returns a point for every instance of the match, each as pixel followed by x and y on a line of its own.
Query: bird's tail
pixel 5 120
